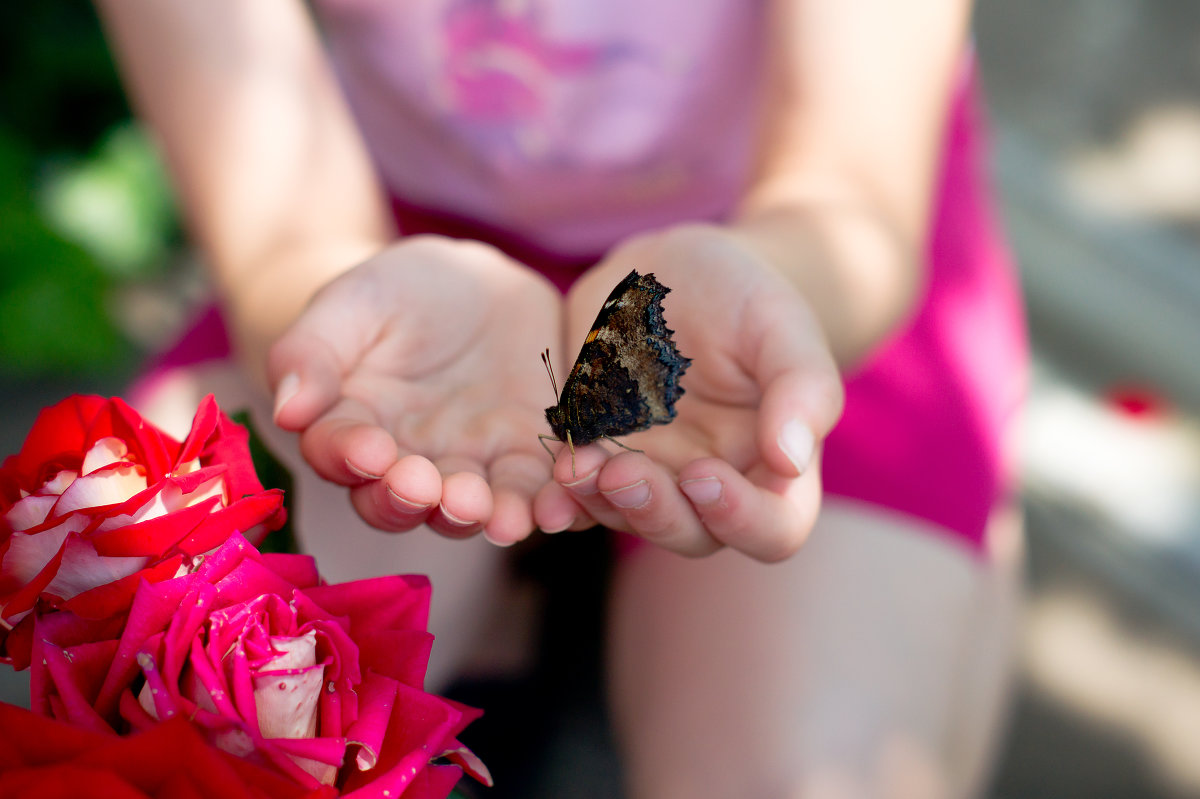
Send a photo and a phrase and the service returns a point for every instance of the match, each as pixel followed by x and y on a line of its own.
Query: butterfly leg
pixel 622 446
pixel 543 438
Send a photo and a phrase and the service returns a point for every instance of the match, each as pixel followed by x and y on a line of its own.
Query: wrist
pixel 859 274
pixel 261 302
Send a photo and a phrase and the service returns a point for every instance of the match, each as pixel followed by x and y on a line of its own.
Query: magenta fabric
pixel 929 419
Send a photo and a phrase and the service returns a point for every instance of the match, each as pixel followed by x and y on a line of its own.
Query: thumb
pixel 305 375
pixel 802 395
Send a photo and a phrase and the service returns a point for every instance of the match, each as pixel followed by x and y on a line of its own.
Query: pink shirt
pixel 568 123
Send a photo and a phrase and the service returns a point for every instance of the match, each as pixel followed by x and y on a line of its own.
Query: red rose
pixel 49 759
pixel 99 500
pixel 321 683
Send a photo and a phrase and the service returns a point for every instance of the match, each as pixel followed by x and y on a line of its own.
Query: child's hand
pixel 414 379
pixel 739 466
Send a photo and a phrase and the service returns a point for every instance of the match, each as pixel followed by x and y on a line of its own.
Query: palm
pixel 429 351
pixel 732 467
pixel 717 416
pixel 459 377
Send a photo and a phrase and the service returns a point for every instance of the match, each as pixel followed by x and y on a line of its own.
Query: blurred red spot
pixel 1137 402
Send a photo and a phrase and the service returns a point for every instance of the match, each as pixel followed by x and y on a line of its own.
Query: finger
pixel 555 510
pixel 403 499
pixel 347 448
pixel 413 485
pixel 802 396
pixel 466 503
pixel 650 505
pixel 306 375
pixel 514 479
pixel 578 475
pixel 761 514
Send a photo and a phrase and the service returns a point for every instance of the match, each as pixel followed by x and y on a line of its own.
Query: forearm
pixel 842 199
pixel 274 181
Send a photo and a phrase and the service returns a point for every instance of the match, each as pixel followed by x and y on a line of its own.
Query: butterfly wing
pixel 626 377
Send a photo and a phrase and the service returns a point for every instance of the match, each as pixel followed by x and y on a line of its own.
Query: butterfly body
pixel 626 377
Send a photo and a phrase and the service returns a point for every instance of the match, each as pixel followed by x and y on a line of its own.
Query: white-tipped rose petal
pixel 207 490
pixel 30 512
pixel 58 483
pixel 104 452
pixel 105 486
pixel 28 554
pixel 82 569
pixel 188 467
pixel 286 691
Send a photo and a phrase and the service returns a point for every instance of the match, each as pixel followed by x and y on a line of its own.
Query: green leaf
pixel 272 474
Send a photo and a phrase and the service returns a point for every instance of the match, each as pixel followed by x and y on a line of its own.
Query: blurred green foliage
pixel 84 204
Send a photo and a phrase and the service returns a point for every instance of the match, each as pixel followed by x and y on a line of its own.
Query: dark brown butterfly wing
pixel 626 377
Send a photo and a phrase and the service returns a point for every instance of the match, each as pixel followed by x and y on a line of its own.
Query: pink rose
pixel 98 501
pixel 48 759
pixel 321 683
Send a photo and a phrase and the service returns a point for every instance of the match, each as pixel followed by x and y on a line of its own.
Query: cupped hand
pixel 739 465
pixel 414 380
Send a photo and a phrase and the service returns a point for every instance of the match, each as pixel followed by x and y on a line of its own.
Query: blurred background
pixel 1096 112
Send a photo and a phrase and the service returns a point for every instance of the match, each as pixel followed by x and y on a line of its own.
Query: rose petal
pixel 17 605
pixel 151 447
pixel 105 452
pixel 400 654
pixel 65 631
pixel 152 609
pixel 204 424
pixel 152 537
pixel 287 690
pixel 28 555
pixel 251 579
pixel 16 642
pixel 113 597
pixel 398 602
pixel 155 697
pixel 74 679
pixel 58 430
pixel 378 695
pixel 82 569
pixel 412 737
pixel 319 758
pixel 165 497
pixel 108 485
pixel 242 517
pixel 298 570
pixel 31 511
pixel 469 762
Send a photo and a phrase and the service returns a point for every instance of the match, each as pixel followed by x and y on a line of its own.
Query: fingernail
pixel 584 486
pixel 350 467
pixel 450 517
pixel 631 496
pixel 288 386
pixel 556 528
pixel 405 505
pixel 494 542
pixel 702 490
pixel 797 442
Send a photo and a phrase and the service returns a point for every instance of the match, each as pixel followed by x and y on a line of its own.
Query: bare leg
pixel 872 664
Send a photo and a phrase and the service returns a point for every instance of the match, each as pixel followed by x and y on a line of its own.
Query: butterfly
pixel 626 377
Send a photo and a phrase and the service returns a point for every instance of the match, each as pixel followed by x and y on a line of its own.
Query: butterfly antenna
pixel 550 370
